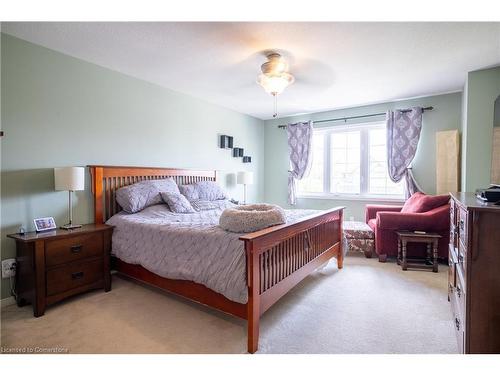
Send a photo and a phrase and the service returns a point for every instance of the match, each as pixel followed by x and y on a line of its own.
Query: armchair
pixel 385 220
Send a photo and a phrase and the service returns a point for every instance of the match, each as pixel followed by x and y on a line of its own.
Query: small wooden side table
pixel 431 239
pixel 54 265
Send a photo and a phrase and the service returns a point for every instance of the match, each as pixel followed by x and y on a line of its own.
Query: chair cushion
pixel 420 202
pixel 372 224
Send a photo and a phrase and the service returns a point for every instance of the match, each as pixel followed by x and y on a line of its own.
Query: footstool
pixel 359 237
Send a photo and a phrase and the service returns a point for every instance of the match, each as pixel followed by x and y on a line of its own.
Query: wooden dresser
pixel 474 273
pixel 54 265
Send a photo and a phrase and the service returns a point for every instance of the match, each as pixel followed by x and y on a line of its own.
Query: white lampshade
pixel 245 178
pixel 69 178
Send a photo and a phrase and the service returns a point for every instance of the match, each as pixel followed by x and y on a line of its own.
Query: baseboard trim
pixel 7 301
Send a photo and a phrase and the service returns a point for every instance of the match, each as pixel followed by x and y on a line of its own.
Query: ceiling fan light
pixel 274 84
pixel 275 64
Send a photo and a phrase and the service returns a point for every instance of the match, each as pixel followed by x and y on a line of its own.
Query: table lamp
pixel 245 178
pixel 70 179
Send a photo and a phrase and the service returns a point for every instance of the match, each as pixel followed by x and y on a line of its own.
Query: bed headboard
pixel 105 180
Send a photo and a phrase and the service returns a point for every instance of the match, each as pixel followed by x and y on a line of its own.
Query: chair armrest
pixel 435 220
pixel 372 209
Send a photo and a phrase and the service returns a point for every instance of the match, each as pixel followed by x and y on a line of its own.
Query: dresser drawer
pixel 73 275
pixel 462 257
pixel 453 237
pixel 453 213
pixel 452 277
pixel 74 248
pixel 460 292
pixel 458 316
pixel 462 225
pixel 459 324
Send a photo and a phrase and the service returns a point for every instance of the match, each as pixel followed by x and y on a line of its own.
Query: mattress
pixel 186 246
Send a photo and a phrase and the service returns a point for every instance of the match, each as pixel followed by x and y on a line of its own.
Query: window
pixel 350 161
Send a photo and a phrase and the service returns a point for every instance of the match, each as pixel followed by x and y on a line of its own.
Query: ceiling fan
pixel 275 77
pixel 309 76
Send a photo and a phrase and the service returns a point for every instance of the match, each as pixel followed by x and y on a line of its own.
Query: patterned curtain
pixel 300 153
pixel 403 134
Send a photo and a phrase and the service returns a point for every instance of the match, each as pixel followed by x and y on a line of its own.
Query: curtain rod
pixel 361 116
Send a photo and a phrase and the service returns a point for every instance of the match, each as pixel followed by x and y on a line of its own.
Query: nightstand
pixel 54 265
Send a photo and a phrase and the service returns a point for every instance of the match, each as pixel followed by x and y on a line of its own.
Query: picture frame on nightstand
pixel 43 224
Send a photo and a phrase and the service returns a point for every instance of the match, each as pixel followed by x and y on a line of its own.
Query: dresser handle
pixel 460 258
pixel 457 324
pixel 462 224
pixel 77 275
pixel 459 291
pixel 76 248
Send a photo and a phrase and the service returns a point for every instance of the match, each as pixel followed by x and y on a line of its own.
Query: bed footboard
pixel 278 258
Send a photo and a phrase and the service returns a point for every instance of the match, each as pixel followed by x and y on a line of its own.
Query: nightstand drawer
pixel 74 275
pixel 73 248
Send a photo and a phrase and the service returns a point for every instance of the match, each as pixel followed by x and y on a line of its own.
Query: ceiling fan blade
pixel 313 72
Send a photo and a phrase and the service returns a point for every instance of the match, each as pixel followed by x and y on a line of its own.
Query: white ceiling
pixel 336 64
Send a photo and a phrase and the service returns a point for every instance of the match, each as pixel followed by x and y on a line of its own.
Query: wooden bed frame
pixel 278 258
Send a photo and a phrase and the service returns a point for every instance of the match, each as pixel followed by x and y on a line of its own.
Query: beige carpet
pixel 368 307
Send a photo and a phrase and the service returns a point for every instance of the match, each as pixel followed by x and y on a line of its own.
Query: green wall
pixel 497 112
pixel 62 111
pixel 463 149
pixel 445 116
pixel 481 91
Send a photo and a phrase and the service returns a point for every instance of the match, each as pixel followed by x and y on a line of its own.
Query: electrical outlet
pixel 8 268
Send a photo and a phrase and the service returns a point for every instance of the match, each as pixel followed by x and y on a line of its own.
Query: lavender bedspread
pixel 186 246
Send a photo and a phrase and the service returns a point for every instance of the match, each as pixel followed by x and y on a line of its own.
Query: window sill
pixel 347 197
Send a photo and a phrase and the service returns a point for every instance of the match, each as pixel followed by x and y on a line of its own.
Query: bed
pixel 239 274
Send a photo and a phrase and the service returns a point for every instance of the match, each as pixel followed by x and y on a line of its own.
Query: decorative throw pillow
pixel 134 198
pixel 420 202
pixel 203 190
pixel 190 192
pixel 412 203
pixel 430 202
pixel 210 191
pixel 177 202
